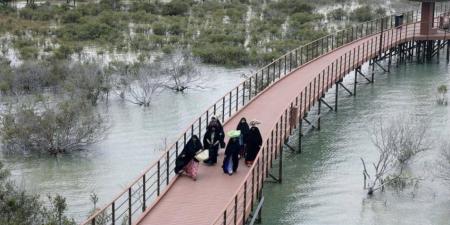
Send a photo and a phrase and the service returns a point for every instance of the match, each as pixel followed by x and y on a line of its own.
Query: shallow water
pixel 324 184
pixel 136 137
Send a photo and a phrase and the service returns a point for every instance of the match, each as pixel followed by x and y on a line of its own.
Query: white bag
pixel 202 156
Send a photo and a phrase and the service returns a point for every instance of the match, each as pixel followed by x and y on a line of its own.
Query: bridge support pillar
pixel 300 134
pixel 438 53
pixel 318 111
pixel 411 51
pixel 373 70
pixel 418 46
pixel 448 51
pixel 355 82
pixel 336 96
pixel 390 60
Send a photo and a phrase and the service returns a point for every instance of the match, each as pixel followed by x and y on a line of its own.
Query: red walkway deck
pixel 202 202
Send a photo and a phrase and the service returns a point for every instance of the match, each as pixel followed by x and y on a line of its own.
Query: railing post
pixel 225 217
pixel 143 193
pixel 200 127
pixel 158 178
pixel 229 106
pixel 243 93
pixel 237 98
pixel 167 166
pixel 250 89
pixel 253 189
pixel 381 38
pixel 129 207
pixel 113 213
pixel 245 203
pixel 301 55
pixel 256 83
pixel 223 109
pixel 290 62
pixel 279 68
pixel 235 209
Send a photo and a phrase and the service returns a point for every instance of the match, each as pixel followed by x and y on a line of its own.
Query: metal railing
pixel 239 208
pixel 151 184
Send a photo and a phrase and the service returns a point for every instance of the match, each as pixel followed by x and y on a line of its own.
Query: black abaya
pixel 231 152
pixel 244 128
pixel 188 153
pixel 253 142
pixel 219 129
pixel 210 145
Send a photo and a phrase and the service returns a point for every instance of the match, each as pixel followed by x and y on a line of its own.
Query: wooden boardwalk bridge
pixel 279 95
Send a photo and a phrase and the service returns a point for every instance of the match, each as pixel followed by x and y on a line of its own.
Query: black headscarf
pixel 243 127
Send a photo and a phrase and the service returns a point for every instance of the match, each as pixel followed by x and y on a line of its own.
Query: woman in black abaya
pixel 243 128
pixel 231 160
pixel 211 141
pixel 186 161
pixel 219 128
pixel 253 143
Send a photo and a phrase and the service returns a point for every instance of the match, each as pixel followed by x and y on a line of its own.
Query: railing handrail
pixel 243 83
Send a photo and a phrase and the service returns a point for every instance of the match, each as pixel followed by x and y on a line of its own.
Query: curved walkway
pixel 202 201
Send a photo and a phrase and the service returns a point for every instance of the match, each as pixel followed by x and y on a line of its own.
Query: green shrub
pixel 337 14
pixel 174 8
pixel 361 14
pixel 176 29
pixel 159 28
pixel 148 7
pixel 63 52
pixel 91 30
pixel 71 17
pixel 221 54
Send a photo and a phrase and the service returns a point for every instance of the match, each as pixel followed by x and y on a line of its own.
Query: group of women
pixel 244 142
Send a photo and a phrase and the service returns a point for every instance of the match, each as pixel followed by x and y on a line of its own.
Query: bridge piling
pixel 336 97
pixel 438 51
pixel 448 51
pixel 355 82
pixel 300 124
pixel 390 60
pixel 318 111
pixel 373 70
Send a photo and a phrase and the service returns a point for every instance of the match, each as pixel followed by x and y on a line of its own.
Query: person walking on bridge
pixel 243 128
pixel 253 143
pixel 231 160
pixel 211 141
pixel 216 123
pixel 186 161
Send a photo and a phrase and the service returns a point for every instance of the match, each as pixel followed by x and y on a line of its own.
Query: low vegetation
pixel 442 95
pixel 397 142
pixel 43 126
pixel 17 207
pixel 226 33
